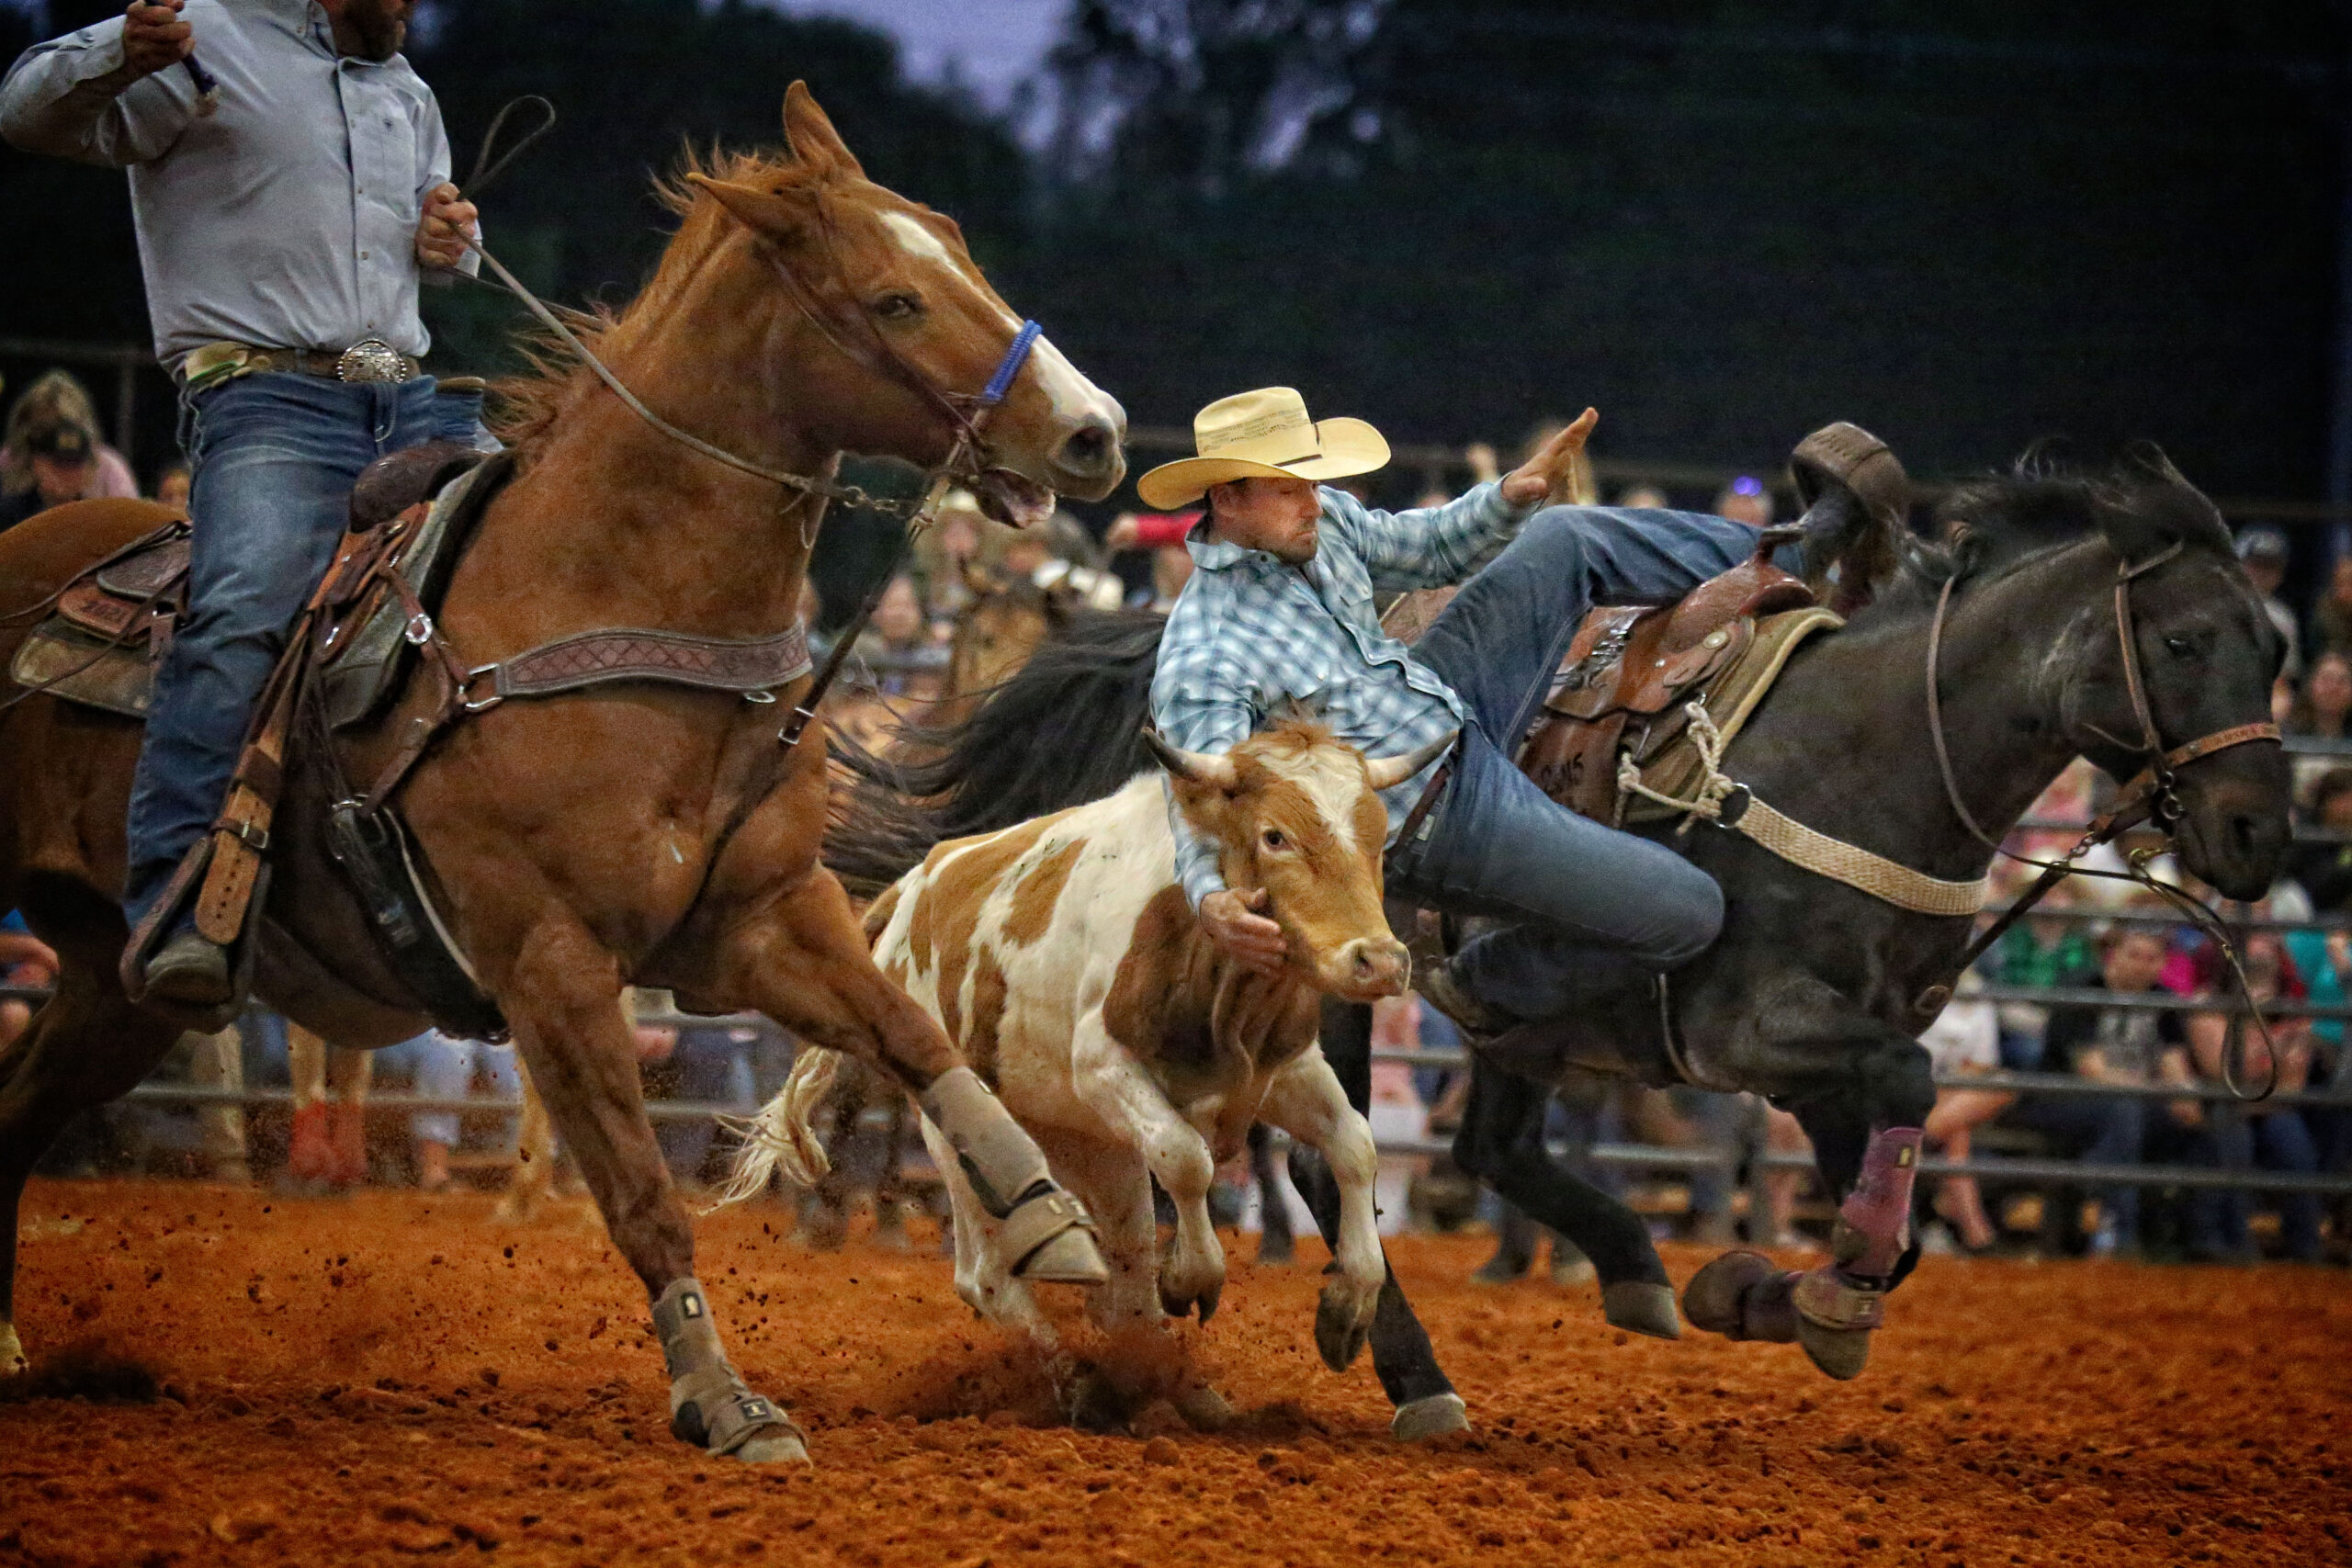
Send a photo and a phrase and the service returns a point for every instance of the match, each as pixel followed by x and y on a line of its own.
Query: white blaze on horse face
pixel 1074 399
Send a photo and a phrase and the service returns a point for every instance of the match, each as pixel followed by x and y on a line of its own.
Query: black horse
pixel 1816 991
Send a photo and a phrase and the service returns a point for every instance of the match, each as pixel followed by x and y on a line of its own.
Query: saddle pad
pixel 66 661
pixel 372 653
pixel 1674 767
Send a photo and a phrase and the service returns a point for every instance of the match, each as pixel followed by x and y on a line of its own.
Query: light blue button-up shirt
pixel 1251 630
pixel 288 218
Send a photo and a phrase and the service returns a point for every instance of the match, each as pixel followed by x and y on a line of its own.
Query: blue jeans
pixel 1586 901
pixel 274 457
pixel 2097 1130
pixel 2275 1140
pixel 714 1064
pixel 443 1067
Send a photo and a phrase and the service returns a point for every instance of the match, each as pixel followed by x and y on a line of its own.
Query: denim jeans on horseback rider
pixel 274 457
pixel 1586 900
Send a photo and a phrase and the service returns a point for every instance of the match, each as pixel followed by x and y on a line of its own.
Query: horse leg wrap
pixel 1046 1234
pixel 1874 1222
pixel 710 1405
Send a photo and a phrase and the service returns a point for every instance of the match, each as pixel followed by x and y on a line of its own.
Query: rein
pixel 2151 796
pixel 967 412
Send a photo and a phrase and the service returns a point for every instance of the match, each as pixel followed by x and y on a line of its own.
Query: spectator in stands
pixel 1643 495
pixel 713 1063
pixel 898 637
pixel 171 482
pixel 27 962
pixel 1746 500
pixel 2324 712
pixel 1964 1039
pixel 2114 1045
pixel 62 464
pixel 2331 616
pixel 443 1068
pixel 2257 1136
pixel 2321 865
pixel 57 398
pixel 2262 551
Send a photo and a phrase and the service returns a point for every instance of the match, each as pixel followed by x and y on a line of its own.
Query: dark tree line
pixel 1969 223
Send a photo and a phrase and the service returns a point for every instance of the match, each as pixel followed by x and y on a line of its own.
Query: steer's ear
pixel 1194 767
pixel 1386 772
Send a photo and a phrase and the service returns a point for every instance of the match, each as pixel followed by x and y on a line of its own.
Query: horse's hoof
pixel 776 1445
pixel 1178 1302
pixel 1840 1352
pixel 1095 1405
pixel 1070 1259
pixel 1742 1295
pixel 1343 1321
pixel 1436 1415
pixel 12 1351
pixel 1204 1409
pixel 1639 1307
pixel 1578 1272
pixel 1277 1250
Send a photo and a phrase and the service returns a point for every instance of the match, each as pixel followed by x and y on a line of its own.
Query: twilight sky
pixel 992 44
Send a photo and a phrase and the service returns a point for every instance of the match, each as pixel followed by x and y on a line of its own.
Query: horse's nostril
pixel 1089 448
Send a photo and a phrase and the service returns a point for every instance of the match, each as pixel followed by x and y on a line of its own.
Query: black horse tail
pixel 1065 729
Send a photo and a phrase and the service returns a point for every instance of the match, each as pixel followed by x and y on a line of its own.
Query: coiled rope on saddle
pixel 1728 803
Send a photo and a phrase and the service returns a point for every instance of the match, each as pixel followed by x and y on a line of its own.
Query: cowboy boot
pixel 309 1160
pixel 348 1126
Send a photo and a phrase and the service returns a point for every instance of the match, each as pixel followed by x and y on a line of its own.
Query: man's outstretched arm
pixel 1432 546
pixel 108 94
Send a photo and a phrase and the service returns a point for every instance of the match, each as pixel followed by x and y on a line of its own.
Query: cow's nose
pixel 1375 966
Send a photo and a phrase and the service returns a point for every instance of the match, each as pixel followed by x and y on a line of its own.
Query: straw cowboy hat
pixel 1263 434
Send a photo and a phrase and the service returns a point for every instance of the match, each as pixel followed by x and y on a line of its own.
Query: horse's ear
pixel 811 135
pixel 781 214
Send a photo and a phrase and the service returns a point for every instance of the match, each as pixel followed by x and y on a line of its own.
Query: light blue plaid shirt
pixel 1249 630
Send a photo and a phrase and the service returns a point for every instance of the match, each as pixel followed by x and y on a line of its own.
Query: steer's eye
pixel 898 307
pixel 1273 838
pixel 2179 647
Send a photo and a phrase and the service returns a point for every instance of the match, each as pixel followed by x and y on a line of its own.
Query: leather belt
pixel 370 359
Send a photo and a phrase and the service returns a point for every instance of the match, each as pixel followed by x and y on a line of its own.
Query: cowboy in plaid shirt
pixel 1281 608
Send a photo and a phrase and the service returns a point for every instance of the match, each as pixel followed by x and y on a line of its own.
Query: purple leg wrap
pixel 1874 1222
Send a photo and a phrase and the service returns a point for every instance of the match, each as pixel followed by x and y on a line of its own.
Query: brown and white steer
pixel 1061 955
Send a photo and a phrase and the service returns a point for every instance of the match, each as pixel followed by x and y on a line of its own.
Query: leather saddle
pixel 1630 674
pixel 112 625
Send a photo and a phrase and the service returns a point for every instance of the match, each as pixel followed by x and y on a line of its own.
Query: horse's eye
pixel 1274 840
pixel 2179 647
pixel 898 307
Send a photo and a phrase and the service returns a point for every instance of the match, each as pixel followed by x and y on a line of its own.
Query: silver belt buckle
pixel 371 360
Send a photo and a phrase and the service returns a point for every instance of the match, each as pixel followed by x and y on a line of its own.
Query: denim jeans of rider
pixel 1585 901
pixel 274 457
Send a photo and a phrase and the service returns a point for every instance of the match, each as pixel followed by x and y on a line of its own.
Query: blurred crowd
pixel 975 597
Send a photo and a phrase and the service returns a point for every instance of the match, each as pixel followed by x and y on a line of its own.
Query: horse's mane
pixel 528 403
pixel 2001 523
pixel 1065 729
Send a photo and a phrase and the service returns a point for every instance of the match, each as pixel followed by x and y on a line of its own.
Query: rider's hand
pixel 1547 471
pixel 440 233
pixel 1250 939
pixel 153 36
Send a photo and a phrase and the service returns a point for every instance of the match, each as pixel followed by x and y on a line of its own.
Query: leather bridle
pixel 2150 795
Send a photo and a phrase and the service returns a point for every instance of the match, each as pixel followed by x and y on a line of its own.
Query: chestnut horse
pixel 629 833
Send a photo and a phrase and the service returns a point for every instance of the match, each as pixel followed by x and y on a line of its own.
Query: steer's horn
pixel 1386 772
pixel 1199 767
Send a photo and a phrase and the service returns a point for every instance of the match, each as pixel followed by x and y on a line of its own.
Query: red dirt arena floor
pixel 386 1378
